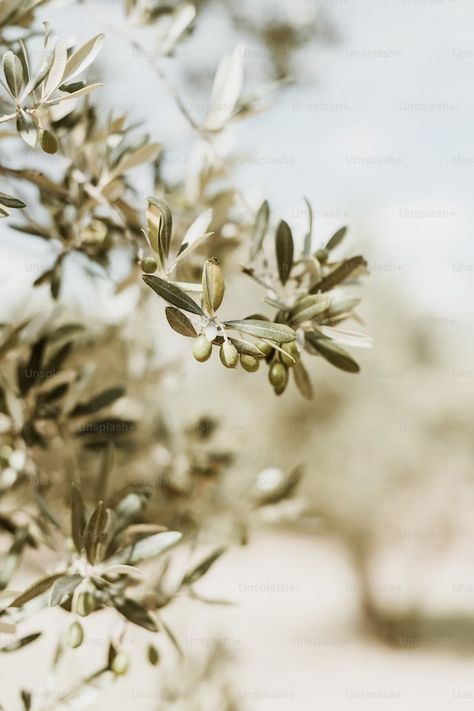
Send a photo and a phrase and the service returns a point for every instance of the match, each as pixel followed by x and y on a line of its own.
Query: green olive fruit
pixel 75 635
pixel 321 255
pixel 85 603
pixel 229 355
pixel 153 655
pixel 202 349
pixel 120 664
pixel 264 347
pixel 290 354
pixel 278 377
pixel 149 265
pixel 249 362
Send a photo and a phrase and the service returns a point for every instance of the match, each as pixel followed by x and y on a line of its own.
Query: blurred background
pixel 370 604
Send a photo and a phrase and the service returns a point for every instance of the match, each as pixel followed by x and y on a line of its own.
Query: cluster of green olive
pixel 229 354
pixel 279 360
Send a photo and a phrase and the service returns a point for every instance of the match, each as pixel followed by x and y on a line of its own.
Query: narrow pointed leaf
pixel 333 353
pixel 284 251
pixel 13 71
pixel 201 569
pixel 148 547
pixel 63 587
pixel 11 201
pixel 197 230
pixel 27 129
pixel 82 57
pixel 98 402
pixel 172 294
pixel 309 235
pixel 20 643
pixel 213 286
pixel 160 227
pixel 49 142
pixel 78 518
pixel 277 332
pixel 94 532
pixel 179 322
pixel 144 154
pixel 260 228
pixel 56 72
pixel 136 613
pixel 302 380
pixel 340 274
pixel 336 239
pixel 39 587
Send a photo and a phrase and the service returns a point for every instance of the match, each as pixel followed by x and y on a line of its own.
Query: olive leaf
pixel 172 293
pixel 195 235
pixel 20 643
pixel 243 346
pixel 94 532
pixel 13 70
pixel 145 154
pixel 148 547
pixel 309 307
pixel 39 587
pixel 179 322
pixel 63 587
pixel 284 250
pixel 340 274
pixel 333 353
pixel 72 93
pixel 107 535
pixel 48 141
pixel 26 127
pixel 10 201
pixel 201 569
pixel 302 380
pixel 39 75
pixel 277 332
pixel 260 228
pixel 213 286
pixel 82 57
pixel 78 518
pixel 309 235
pixel 336 239
pixel 56 72
pixel 160 228
pixel 98 402
pixel 139 615
pixel 226 90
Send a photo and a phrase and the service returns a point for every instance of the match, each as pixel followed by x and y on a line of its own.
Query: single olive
pixel 75 635
pixel 229 355
pixel 120 664
pixel 149 265
pixel 202 349
pixel 264 347
pixel 291 354
pixel 85 603
pixel 278 377
pixel 249 362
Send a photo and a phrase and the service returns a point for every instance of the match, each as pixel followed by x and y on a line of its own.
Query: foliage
pixel 79 431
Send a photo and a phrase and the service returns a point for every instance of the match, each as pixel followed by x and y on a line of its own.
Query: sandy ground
pixel 294 633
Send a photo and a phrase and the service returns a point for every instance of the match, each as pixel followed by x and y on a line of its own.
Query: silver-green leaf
pixel 172 294
pixel 277 332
